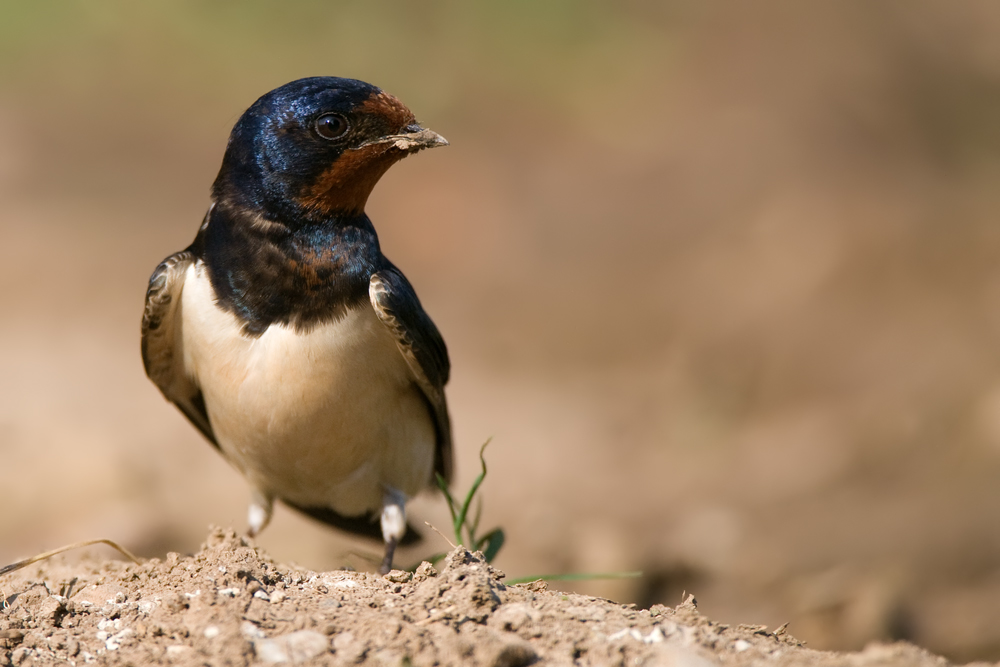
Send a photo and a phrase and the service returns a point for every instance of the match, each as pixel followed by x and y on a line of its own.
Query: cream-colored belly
pixel 326 418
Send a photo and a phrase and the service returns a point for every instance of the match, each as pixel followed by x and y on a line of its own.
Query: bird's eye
pixel 331 126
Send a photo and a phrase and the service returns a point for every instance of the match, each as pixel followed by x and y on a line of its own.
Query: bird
pixel 284 334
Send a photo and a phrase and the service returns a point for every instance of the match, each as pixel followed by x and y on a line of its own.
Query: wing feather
pixel 162 352
pixel 420 343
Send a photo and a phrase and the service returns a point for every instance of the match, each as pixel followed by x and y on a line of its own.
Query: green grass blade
pixel 493 541
pixel 474 529
pixel 580 576
pixel 472 492
pixel 443 485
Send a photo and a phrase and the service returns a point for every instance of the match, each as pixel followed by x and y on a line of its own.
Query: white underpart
pixel 328 417
pixel 393 515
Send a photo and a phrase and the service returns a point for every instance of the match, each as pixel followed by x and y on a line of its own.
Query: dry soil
pixel 231 604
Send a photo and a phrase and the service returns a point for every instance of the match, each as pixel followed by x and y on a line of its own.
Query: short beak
pixel 414 139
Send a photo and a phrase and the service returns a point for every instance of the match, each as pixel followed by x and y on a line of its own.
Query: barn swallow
pixel 285 335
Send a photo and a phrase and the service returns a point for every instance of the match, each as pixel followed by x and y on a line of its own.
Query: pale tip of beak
pixel 422 138
pixel 411 142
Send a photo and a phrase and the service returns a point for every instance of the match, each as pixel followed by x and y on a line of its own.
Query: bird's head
pixel 316 148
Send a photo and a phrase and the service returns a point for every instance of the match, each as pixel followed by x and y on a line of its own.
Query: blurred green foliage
pixel 561 52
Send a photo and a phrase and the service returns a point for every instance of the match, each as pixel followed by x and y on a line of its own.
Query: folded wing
pixel 162 352
pixel 420 343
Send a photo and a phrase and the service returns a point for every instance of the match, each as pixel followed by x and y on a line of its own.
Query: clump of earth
pixel 230 604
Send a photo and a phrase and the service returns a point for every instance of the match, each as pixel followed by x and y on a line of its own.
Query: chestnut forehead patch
pixel 390 108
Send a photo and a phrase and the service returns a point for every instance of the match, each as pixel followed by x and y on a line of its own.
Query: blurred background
pixel 722 282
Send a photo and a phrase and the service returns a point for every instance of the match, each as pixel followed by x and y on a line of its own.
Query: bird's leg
pixel 390 549
pixel 393 524
pixel 259 512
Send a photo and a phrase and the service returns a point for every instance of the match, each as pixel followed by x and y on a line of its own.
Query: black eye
pixel 331 126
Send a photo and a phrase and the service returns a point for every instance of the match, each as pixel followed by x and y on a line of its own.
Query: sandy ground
pixel 721 281
pixel 231 604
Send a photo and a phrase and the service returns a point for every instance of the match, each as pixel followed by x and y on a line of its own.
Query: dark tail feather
pixel 364 525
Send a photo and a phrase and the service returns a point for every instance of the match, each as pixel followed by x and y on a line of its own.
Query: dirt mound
pixel 230 604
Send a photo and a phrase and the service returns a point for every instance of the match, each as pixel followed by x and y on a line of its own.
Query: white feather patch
pixel 329 417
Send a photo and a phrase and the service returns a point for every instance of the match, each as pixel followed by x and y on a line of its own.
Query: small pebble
pixel 296 647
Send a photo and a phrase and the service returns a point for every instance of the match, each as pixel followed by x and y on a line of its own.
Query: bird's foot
pixel 393 524
pixel 259 513
pixel 390 549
